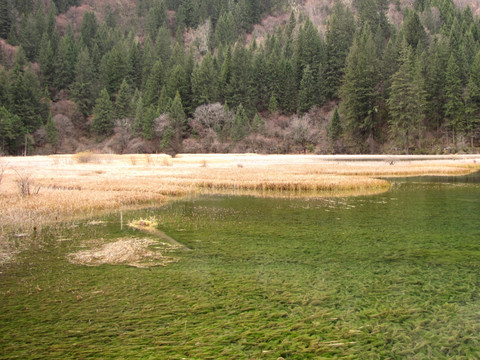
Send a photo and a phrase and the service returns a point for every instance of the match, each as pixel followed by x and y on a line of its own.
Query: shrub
pixel 84 157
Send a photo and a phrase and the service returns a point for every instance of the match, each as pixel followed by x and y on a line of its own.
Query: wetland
pixel 391 275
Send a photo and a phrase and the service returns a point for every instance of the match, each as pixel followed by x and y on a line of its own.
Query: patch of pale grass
pixel 125 251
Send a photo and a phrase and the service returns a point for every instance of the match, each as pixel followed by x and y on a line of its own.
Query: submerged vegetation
pixel 357 277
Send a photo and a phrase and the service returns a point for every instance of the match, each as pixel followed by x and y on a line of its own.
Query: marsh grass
pixel 73 189
pixel 344 278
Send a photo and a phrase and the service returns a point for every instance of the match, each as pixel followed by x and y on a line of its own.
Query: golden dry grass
pixel 125 251
pixel 70 190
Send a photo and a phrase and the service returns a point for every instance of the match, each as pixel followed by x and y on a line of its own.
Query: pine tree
pixel 11 131
pixel 273 104
pixel 83 89
pixel 454 106
pixel 5 18
pixel 205 82
pixel 472 101
pixel 46 60
pixel 414 32
pixel 435 84
pixel 239 125
pixel 164 102
pixel 226 31
pixel 163 44
pixel 307 92
pixel 102 123
pixel 156 17
pixel 25 95
pixel 52 132
pixel 148 119
pixel 258 124
pixel 178 82
pixel 407 99
pixel 359 89
pixel 338 39
pixel 63 73
pixel 123 101
pixel 309 51
pixel 154 84
pixel 116 67
pixel 138 123
pixel 89 28
pixel 335 128
pixel 178 123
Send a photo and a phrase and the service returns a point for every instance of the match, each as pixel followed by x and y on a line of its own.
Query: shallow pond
pixel 395 275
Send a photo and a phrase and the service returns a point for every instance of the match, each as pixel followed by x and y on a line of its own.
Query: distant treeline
pixel 415 86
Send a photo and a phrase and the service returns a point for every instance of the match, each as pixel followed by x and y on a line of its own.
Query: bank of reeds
pixel 68 189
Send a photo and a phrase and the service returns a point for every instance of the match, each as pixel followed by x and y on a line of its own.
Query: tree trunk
pixel 370 140
pixel 407 144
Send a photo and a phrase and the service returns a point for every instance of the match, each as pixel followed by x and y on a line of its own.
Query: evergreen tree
pixel 258 124
pixel 138 123
pixel 178 123
pixel 309 51
pixel 178 82
pixel 226 31
pixel 163 44
pixel 154 84
pixel 89 28
pixel 134 72
pixel 205 82
pixel 359 89
pixel 435 84
pixel 83 87
pixel 102 123
pixel 407 99
pixel 63 73
pixel 25 95
pixel 473 101
pixel 52 132
pixel 307 92
pixel 339 37
pixel 335 128
pixel 116 62
pixel 164 102
pixel 287 92
pixel 413 31
pixel 123 101
pixel 273 104
pixel 5 18
pixel 47 61
pixel 11 131
pixel 454 106
pixel 156 17
pixel 148 120
pixel 239 125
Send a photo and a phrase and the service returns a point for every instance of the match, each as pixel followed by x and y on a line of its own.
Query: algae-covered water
pixel 394 276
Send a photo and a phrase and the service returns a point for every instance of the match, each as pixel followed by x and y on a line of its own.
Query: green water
pixel 394 276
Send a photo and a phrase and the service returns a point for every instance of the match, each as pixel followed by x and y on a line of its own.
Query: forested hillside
pixel 238 75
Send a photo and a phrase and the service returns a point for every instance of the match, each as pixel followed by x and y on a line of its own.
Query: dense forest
pixel 198 76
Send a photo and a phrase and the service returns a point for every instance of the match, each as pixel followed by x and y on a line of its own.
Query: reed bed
pixel 70 189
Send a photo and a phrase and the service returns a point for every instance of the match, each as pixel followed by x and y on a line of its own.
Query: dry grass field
pixel 39 190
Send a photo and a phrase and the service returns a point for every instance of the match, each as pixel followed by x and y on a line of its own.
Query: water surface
pixel 394 275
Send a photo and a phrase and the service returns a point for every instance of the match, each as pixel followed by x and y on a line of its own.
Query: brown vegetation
pixel 132 252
